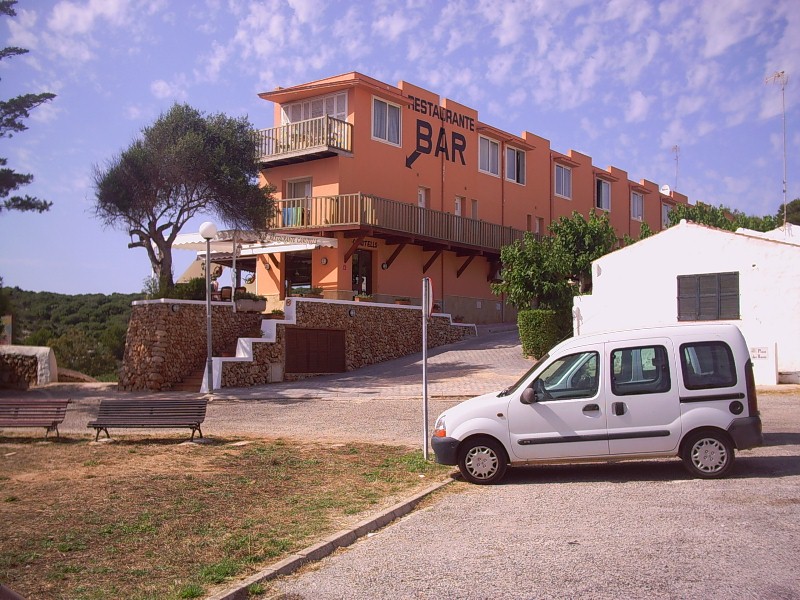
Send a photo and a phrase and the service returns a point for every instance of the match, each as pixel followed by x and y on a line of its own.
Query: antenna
pixel 677 150
pixel 782 78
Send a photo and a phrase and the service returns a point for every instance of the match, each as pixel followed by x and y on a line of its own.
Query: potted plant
pixel 275 313
pixel 247 302
pixel 404 300
pixel 363 298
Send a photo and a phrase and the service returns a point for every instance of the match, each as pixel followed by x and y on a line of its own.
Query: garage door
pixel 315 350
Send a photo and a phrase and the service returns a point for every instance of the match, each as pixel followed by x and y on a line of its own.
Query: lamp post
pixel 207 231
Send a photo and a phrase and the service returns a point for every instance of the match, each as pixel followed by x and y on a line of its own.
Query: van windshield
pixel 521 380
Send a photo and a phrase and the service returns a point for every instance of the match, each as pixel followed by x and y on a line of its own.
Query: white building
pixel 691 272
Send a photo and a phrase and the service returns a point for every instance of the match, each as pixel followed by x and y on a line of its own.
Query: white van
pixel 685 390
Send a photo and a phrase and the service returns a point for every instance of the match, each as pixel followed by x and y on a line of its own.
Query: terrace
pixel 302 141
pixel 396 222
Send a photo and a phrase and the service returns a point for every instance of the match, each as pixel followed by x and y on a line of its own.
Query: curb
pixel 327 546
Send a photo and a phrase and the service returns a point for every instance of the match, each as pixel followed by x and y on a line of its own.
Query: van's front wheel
pixel 708 454
pixel 482 461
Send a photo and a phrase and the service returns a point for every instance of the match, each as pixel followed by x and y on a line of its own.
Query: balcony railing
pixel 390 216
pixel 324 134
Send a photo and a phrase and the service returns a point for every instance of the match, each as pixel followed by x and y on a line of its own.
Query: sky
pixel 624 81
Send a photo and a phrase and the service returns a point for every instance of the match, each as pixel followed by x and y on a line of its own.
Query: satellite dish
pixel 665 190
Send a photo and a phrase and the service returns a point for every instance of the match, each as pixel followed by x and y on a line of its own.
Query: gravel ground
pixel 623 530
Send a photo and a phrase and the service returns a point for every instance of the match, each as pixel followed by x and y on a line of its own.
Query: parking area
pixel 624 530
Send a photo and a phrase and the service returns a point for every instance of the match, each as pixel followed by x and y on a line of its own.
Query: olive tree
pixel 183 164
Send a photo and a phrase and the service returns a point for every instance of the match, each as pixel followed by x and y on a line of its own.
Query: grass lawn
pixel 159 518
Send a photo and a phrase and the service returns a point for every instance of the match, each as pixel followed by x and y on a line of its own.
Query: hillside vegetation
pixel 86 331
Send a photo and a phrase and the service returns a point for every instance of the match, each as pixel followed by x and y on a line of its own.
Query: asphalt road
pixel 623 530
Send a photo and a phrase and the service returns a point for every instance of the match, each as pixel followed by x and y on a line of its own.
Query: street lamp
pixel 208 231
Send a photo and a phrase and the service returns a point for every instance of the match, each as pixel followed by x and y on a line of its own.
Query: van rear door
pixel 642 399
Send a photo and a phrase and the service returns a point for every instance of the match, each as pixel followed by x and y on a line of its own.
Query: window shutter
pixel 729 296
pixel 687 297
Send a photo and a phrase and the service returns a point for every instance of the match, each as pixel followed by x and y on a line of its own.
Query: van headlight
pixel 440 429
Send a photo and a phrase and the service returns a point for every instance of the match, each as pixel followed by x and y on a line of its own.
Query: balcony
pixel 396 222
pixel 302 141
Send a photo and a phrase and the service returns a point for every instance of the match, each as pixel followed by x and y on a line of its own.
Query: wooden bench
pixel 150 413
pixel 33 412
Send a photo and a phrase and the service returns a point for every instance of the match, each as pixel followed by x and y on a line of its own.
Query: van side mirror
pixel 528 396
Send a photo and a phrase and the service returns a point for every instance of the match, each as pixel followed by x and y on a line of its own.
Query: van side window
pixel 571 376
pixel 707 365
pixel 641 370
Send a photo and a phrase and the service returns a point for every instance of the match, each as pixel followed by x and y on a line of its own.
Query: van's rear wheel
pixel 482 461
pixel 708 454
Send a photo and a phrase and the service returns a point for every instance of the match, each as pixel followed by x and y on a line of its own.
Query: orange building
pixel 412 185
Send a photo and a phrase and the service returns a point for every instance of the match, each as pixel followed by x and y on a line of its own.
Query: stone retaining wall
pixel 166 339
pixel 24 366
pixel 374 333
pixel 18 372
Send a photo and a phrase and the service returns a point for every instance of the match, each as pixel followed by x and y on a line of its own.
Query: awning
pixel 250 243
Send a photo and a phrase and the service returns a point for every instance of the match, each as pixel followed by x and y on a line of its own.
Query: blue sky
pixel 623 81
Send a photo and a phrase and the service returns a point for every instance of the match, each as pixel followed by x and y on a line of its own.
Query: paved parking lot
pixel 624 530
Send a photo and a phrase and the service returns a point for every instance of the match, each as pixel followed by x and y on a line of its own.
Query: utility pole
pixel 782 78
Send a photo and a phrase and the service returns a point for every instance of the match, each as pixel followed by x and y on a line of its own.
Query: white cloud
pixel 638 107
pixel 22 30
pixel 728 23
pixel 393 26
pixel 164 90
pixel 213 63
pixel 72 18
pixel 307 10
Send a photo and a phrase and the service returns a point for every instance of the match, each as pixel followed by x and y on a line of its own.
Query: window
pixel 603 195
pixel 489 158
pixel 563 181
pixel 637 206
pixel 333 105
pixel 474 213
pixel 707 365
pixel 460 204
pixel 642 370
pixel 515 165
pixel 299 188
pixel 665 210
pixel 385 121
pixel 572 376
pixel 708 297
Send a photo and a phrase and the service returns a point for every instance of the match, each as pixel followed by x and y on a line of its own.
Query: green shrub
pixel 540 330
pixel 194 289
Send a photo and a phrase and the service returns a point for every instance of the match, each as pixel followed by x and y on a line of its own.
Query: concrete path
pixel 341 407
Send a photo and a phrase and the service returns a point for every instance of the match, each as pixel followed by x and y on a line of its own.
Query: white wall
pixel 637 287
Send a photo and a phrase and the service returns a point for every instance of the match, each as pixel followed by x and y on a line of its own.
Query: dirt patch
pixel 157 518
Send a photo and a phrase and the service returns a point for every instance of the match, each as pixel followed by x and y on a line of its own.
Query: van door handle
pixel 591 408
pixel 618 409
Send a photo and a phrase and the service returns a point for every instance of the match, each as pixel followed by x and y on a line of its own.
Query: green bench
pixel 146 414
pixel 33 412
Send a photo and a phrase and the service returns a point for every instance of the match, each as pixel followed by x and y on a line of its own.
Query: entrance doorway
pixel 362 272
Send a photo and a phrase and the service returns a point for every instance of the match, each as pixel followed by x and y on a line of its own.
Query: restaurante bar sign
pixel 450 148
